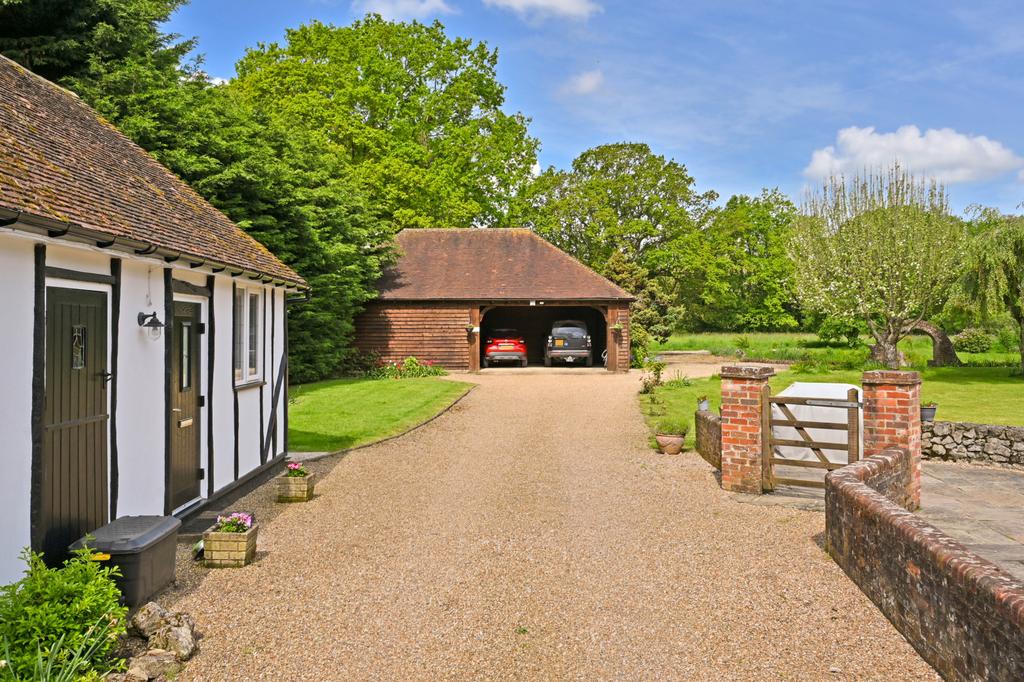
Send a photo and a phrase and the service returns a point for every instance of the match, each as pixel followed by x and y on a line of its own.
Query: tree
pixel 618 198
pixel 882 248
pixel 994 270
pixel 418 116
pixel 746 275
pixel 652 314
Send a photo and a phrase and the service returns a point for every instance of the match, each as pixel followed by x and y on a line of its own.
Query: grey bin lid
pixel 130 534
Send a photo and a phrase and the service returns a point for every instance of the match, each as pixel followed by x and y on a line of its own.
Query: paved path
pixel 530 534
pixel 982 507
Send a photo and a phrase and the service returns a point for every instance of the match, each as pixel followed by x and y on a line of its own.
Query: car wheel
pixel 487 363
pixel 590 361
pixel 523 362
pixel 547 362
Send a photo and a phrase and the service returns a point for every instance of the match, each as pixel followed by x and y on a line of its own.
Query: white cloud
pixel 572 9
pixel 404 9
pixel 944 153
pixel 586 83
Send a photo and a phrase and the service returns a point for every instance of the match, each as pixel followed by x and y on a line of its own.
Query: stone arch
pixel 943 353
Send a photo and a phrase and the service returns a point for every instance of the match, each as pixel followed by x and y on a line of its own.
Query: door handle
pixel 175 409
pixel 106 376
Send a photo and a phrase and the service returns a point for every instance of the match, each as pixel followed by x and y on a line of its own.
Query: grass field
pixel 987 395
pixel 808 348
pixel 345 413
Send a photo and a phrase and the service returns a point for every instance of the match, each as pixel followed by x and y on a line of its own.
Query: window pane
pixel 254 331
pixel 239 331
pixel 186 356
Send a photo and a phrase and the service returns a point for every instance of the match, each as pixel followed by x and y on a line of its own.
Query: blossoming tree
pixel 880 247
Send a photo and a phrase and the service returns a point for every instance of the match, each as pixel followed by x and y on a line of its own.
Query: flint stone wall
pixel 967 442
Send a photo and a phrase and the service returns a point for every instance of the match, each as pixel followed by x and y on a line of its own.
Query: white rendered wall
pixel 223 389
pixel 140 393
pixel 17 274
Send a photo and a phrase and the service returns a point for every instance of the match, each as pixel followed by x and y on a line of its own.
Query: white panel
pixel 80 258
pixel 223 393
pixel 248 430
pixel 140 393
pixel 17 274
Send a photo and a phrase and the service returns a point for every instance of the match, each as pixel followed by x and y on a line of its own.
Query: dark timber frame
pixel 115 329
pixel 38 393
pixel 211 330
pixel 168 326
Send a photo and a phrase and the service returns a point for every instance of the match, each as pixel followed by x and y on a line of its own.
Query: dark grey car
pixel 569 341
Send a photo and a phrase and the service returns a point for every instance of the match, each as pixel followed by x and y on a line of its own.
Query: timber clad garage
pixel 450 287
pixel 143 339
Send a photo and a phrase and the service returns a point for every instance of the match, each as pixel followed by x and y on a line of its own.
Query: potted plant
pixel 296 485
pixel 670 435
pixel 231 542
pixel 617 328
pixel 928 411
pixel 703 404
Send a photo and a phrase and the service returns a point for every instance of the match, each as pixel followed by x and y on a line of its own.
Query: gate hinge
pixel 201 473
pixel 202 401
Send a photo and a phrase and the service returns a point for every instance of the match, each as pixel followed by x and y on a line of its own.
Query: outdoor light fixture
pixel 152 323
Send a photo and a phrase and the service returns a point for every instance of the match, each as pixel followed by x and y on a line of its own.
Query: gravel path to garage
pixel 530 534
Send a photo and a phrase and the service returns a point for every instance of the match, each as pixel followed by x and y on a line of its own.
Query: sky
pixel 745 94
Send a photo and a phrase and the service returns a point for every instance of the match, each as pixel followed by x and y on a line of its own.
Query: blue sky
pixel 745 94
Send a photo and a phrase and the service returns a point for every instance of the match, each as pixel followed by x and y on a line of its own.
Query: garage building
pixel 450 287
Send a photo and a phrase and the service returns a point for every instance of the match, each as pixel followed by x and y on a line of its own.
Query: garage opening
pixel 534 324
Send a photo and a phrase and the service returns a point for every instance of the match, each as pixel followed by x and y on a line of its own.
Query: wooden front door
pixel 73 498
pixel 185 474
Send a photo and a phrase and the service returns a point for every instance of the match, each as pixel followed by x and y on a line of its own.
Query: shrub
pixel 833 330
pixel 652 377
pixel 1007 340
pixel 673 426
pixel 742 342
pixel 973 340
pixel 408 369
pixel 61 619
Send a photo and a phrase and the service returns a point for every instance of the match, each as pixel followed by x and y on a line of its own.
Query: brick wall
pixel 709 437
pixel 964 615
pixel 741 426
pixel 892 418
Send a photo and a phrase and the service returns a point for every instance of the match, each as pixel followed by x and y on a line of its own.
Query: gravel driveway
pixel 530 534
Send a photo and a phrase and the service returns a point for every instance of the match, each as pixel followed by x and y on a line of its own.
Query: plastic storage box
pixel 143 548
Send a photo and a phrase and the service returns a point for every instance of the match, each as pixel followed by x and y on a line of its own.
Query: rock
pixel 948 440
pixel 1018 446
pixel 958 436
pixel 941 428
pixel 970 434
pixel 959 451
pixel 149 619
pixel 997 449
pixel 153 664
pixel 938 450
pixel 178 639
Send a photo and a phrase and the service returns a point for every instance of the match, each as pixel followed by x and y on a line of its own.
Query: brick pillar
pixel 892 418
pixel 741 426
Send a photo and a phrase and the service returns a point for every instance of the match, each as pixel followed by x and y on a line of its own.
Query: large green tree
pixel 881 248
pixel 417 114
pixel 618 198
pixel 994 268
pixel 745 273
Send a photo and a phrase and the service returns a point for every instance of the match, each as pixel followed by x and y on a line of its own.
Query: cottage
pixel 144 334
pixel 449 288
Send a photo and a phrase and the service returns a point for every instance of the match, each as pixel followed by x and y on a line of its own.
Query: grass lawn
pixel 809 348
pixel 344 413
pixel 987 395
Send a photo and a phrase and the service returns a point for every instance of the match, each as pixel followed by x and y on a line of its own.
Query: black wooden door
pixel 184 417
pixel 73 498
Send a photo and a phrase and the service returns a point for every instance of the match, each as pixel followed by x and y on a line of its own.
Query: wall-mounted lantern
pixel 151 323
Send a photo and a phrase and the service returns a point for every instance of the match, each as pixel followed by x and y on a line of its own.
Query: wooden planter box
pixel 295 488
pixel 229 550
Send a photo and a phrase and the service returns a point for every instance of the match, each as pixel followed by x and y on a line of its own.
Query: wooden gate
pixel 772 457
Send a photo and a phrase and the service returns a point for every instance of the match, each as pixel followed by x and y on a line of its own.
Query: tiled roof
pixel 60 160
pixel 489 265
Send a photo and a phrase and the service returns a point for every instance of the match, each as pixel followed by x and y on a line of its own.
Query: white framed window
pixel 248 307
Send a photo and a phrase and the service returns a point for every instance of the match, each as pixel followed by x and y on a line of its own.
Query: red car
pixel 505 345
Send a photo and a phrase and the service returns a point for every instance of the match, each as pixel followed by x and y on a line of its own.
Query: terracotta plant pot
pixel 295 488
pixel 669 444
pixel 229 550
